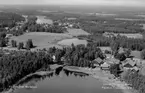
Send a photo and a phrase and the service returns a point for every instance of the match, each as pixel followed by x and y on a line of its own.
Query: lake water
pixel 144 26
pixel 66 81
pixel 43 20
pixel 75 41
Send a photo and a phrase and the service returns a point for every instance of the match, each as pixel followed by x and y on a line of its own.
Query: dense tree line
pixel 119 41
pixel 79 55
pixel 96 25
pixel 16 65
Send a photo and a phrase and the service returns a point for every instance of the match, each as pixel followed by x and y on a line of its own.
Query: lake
pixel 75 41
pixel 143 26
pixel 43 20
pixel 65 81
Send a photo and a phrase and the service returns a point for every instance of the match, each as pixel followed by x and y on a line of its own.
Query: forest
pixel 16 65
pixel 121 41
pixel 8 19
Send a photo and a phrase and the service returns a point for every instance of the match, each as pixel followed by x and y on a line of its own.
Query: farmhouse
pixel 97 62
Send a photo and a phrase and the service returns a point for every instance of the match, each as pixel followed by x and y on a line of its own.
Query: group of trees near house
pixel 16 65
pixel 20 45
pixel 8 19
pixel 79 55
pixel 135 80
pixel 115 70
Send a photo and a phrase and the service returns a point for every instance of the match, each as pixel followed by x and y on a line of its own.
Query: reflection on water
pixel 65 81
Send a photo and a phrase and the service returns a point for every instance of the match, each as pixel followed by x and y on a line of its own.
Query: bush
pixel 29 44
pixel 14 43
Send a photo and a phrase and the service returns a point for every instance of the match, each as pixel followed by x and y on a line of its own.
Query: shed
pixel 98 61
pixel 105 66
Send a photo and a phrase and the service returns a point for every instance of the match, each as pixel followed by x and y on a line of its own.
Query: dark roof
pixel 128 65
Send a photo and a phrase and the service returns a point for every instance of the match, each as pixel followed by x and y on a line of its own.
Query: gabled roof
pixel 105 65
pixel 136 68
pixel 98 60
pixel 128 65
pixel 132 63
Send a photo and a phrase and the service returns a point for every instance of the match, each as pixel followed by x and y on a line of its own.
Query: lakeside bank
pixel 105 77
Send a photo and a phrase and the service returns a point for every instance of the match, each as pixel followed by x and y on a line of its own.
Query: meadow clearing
pixel 46 40
pixel 137 35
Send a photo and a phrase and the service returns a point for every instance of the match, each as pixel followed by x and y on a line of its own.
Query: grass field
pixel 42 39
pixel 46 40
pixel 131 35
pixel 77 32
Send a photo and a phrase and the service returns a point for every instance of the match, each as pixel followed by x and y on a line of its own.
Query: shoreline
pixel 105 77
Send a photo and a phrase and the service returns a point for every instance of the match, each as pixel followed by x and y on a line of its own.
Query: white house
pixel 54 58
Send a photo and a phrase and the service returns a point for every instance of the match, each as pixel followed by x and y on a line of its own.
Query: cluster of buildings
pixel 131 63
pixel 68 23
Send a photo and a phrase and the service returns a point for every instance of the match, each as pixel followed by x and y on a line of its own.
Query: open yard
pixel 136 54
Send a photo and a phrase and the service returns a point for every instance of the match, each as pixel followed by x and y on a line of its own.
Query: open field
pixel 77 32
pixel 137 35
pixel 42 39
pixel 46 40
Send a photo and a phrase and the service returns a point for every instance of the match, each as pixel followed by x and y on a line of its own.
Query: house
pixel 105 66
pixel 130 65
pixel 54 58
pixel 135 68
pixel 98 62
